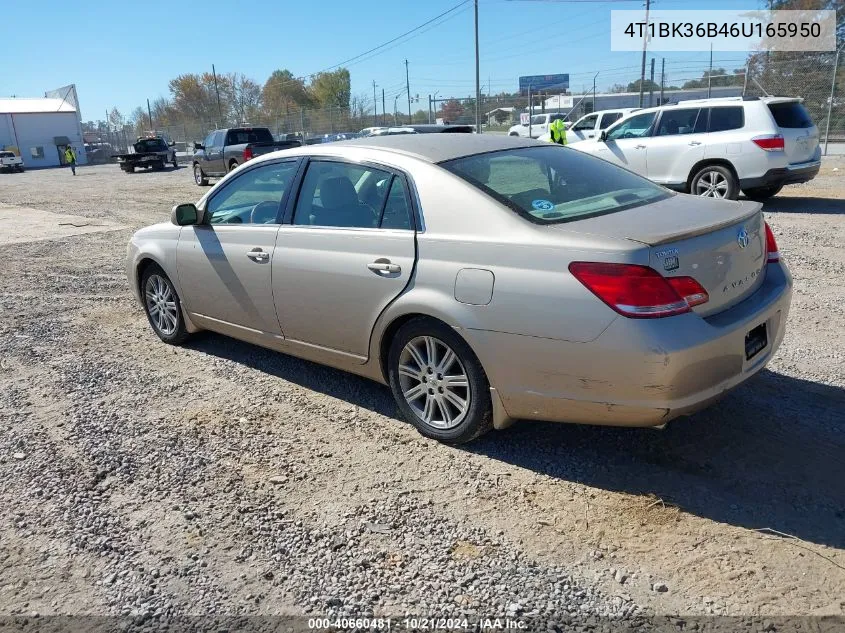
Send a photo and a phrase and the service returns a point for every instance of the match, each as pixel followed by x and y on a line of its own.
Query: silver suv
pixel 717 147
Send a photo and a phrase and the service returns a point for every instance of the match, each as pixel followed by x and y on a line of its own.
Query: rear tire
pixel 162 306
pixel 233 165
pixel 199 177
pixel 761 194
pixel 441 388
pixel 175 162
pixel 715 181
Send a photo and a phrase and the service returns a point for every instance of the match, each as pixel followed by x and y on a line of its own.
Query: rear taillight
pixel 772 254
pixel 247 154
pixel 639 292
pixel 771 143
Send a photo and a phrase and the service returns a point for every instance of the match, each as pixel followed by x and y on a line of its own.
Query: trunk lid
pixel 800 135
pixel 721 244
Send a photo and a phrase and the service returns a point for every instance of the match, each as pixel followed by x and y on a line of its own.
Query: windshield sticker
pixel 543 205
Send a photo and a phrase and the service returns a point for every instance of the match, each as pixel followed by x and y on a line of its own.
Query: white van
pixel 539 125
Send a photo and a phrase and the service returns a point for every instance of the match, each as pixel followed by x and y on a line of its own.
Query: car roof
pixel 436 148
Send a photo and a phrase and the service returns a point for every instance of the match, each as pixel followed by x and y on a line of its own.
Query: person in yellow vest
pixel 70 159
pixel 557 132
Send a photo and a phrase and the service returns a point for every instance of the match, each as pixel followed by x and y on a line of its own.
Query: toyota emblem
pixel 742 238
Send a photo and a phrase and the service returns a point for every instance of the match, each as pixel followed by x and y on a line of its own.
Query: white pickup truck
pixel 9 161
pixel 591 125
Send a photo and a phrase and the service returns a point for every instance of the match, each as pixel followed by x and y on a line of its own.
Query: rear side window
pixel 552 184
pixel 258 135
pixel 730 118
pixel 674 122
pixel 791 115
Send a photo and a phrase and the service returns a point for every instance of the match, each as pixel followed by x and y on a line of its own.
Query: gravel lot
pixel 136 478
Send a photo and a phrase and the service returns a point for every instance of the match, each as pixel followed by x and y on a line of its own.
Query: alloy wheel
pixel 712 184
pixel 434 382
pixel 161 304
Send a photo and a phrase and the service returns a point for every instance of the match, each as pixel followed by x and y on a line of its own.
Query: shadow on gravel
pixel 333 382
pixel 821 206
pixel 770 454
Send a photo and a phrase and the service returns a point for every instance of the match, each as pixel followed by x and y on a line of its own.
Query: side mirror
pixel 172 143
pixel 603 136
pixel 199 146
pixel 184 214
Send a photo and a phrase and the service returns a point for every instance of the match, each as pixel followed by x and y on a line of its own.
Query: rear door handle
pixel 639 146
pixel 258 255
pixel 694 143
pixel 383 265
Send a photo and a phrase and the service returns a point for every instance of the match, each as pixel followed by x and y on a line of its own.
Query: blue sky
pixel 121 53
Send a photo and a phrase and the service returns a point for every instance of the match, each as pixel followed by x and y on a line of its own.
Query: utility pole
pixel 217 91
pixel 663 79
pixel 710 74
pixel 651 85
pixel 645 47
pixel 477 80
pixel 745 79
pixel 150 114
pixel 530 111
pixel 383 109
pixel 832 92
pixel 429 108
pixel 396 98
pixel 408 88
pixel 594 91
pixel 375 105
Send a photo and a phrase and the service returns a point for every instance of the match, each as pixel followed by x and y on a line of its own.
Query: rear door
pixel 800 135
pixel 214 153
pixel 677 145
pixel 348 252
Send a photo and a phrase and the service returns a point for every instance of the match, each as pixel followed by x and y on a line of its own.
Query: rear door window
pixel 674 122
pixel 791 115
pixel 609 119
pixel 727 118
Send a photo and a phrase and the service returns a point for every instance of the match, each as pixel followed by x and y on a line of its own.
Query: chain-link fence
pixel 818 78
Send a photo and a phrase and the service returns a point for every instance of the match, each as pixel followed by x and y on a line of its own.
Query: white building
pixel 40 129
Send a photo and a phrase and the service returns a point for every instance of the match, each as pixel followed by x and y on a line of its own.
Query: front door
pixel 349 251
pixel 627 143
pixel 224 264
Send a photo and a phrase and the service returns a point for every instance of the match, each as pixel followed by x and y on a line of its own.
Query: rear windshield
pixel 553 184
pixel 254 135
pixel 791 115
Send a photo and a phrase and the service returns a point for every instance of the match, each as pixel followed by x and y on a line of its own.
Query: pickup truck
pixel 9 161
pixel 150 153
pixel 223 150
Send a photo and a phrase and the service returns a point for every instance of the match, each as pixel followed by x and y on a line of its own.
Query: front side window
pixel 729 118
pixel 208 140
pixel 551 184
pixel 587 123
pixel 538 119
pixel 254 196
pixel 677 122
pixel 637 126
pixel 342 195
pixel 609 119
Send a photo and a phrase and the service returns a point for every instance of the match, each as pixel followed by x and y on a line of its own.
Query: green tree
pixel 648 86
pixel 331 89
pixel 282 93
pixel 194 97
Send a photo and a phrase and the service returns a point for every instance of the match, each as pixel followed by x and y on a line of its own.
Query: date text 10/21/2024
pixel 417 624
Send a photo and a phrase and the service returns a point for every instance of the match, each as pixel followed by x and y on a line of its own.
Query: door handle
pixel 639 146
pixel 694 143
pixel 384 266
pixel 258 255
pixel 591 135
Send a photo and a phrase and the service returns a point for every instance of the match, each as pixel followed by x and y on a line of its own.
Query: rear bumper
pixel 790 175
pixel 638 372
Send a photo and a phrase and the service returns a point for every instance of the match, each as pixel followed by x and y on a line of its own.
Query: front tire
pixel 715 181
pixel 761 194
pixel 438 382
pixel 199 177
pixel 162 306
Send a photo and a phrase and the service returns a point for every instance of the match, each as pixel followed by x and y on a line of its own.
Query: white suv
pixel 539 125
pixel 717 147
pixel 591 125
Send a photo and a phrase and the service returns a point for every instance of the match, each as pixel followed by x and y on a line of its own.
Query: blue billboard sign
pixel 544 83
